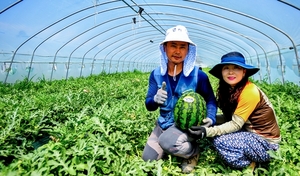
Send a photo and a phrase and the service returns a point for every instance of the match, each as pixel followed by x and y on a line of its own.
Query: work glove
pixel 207 122
pixel 197 132
pixel 161 95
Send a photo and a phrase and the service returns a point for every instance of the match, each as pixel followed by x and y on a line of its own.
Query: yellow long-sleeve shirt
pixel 255 113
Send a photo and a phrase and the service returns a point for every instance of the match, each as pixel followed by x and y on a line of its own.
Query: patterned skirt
pixel 240 148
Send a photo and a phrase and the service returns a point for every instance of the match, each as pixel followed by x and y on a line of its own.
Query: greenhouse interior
pixel 74 78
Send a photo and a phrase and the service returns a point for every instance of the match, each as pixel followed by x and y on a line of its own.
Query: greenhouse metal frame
pixel 64 39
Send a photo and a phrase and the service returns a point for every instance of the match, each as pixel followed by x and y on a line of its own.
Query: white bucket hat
pixel 178 33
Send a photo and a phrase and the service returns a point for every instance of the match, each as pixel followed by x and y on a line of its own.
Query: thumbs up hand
pixel 161 95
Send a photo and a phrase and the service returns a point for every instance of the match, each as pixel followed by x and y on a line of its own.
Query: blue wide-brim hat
pixel 235 58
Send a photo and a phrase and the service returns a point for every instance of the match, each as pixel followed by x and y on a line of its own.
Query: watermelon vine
pixel 99 125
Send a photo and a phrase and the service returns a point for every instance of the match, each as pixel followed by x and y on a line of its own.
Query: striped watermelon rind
pixel 189 110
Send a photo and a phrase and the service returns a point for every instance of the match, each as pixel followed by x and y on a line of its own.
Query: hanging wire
pixel 150 17
pixel 144 18
pixel 95 2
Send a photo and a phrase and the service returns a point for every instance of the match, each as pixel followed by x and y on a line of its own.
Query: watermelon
pixel 189 110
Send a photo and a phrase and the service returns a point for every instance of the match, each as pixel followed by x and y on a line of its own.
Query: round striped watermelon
pixel 189 110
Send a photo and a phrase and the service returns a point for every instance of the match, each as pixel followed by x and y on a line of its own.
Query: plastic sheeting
pixel 59 39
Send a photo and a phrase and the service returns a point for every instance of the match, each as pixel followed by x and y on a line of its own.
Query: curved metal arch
pixel 248 53
pixel 207 42
pixel 216 36
pixel 86 40
pixel 236 33
pixel 136 55
pixel 263 50
pixel 82 44
pixel 120 46
pixel 240 35
pixel 10 6
pixel 140 54
pixel 151 48
pixel 56 22
pixel 148 55
pixel 289 4
pixel 92 37
pixel 134 59
pixel 62 29
pixel 72 52
pixel 105 41
pixel 197 29
pixel 191 8
pixel 256 55
pixel 107 46
pixel 140 40
pixel 133 52
pixel 263 22
pixel 269 78
pixel 141 51
pixel 226 29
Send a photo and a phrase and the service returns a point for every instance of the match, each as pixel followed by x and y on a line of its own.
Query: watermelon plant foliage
pixel 99 125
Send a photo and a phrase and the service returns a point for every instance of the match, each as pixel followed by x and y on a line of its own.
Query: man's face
pixel 176 51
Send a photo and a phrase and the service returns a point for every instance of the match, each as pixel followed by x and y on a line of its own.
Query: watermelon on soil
pixel 189 110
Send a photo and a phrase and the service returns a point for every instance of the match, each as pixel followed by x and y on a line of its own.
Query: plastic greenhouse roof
pixel 59 39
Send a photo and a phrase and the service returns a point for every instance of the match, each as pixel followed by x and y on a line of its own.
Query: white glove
pixel 207 122
pixel 161 95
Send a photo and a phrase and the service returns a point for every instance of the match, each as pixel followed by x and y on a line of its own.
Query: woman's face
pixel 233 74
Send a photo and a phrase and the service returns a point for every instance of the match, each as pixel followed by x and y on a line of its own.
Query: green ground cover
pixel 99 125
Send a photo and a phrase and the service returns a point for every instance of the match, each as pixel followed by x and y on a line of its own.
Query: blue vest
pixel 166 118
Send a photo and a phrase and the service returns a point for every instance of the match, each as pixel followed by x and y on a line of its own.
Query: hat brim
pixel 216 70
pixel 178 40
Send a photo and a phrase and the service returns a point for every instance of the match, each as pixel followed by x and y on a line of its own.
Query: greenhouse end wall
pixel 22 68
